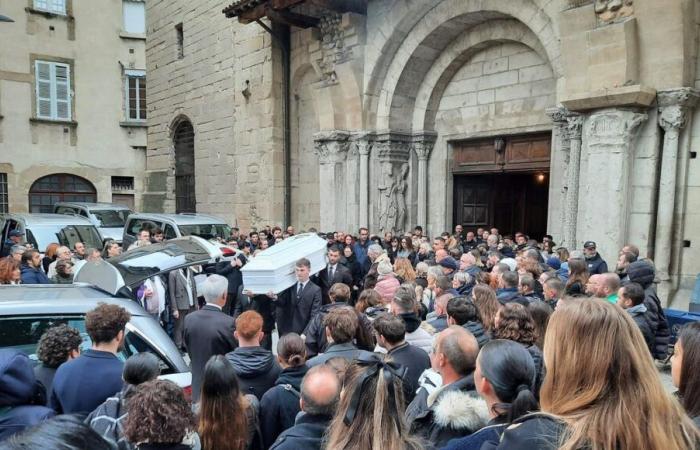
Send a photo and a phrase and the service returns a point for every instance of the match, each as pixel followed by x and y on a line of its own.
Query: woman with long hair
pixel 279 406
pixel 602 390
pixel 540 312
pixel 505 378
pixel 515 323
pixel 486 303
pixel 404 270
pixel 227 419
pixel 578 277
pixel 370 414
pixel 10 271
pixel 111 249
pixel 406 250
pixel 368 300
pixel 684 365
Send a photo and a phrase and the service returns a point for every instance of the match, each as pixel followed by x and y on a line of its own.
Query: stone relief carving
pixel 392 196
pixel 333 50
pixel 331 147
pixel 609 10
pixel 613 128
pixel 673 107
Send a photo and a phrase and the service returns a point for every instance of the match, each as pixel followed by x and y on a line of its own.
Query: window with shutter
pixel 53 93
pixel 134 17
pixel 52 6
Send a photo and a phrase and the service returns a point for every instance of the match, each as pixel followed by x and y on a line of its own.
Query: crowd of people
pixel 468 340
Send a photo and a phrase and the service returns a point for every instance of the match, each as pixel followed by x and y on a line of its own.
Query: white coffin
pixel 273 269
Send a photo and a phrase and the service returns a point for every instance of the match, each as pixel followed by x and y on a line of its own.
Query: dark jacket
pixel 346 350
pixel 146 446
pixel 33 275
pixel 293 312
pixel 415 335
pixel 280 405
pixel 491 432
pixel 45 376
pixel 538 359
pixel 455 411
pixel 256 368
pixel 509 295
pixel 639 315
pixel 575 289
pixel 477 330
pixel 84 383
pixel 439 323
pixel 21 406
pixel 596 265
pixel 341 275
pixel 262 304
pixel 208 332
pixel 643 272
pixel 416 361
pixel 306 434
pixel 108 419
pixel 531 432
pixel 315 332
pixel 234 277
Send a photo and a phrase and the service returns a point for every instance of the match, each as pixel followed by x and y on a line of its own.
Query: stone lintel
pixel 637 96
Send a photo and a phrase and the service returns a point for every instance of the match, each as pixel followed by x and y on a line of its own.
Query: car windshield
pixel 206 231
pixel 111 218
pixel 40 236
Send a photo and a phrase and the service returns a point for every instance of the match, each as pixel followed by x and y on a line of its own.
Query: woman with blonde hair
pixel 370 414
pixel 404 270
pixel 602 390
pixel 486 303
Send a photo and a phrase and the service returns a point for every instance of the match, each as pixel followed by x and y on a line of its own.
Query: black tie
pixel 330 274
pixel 299 289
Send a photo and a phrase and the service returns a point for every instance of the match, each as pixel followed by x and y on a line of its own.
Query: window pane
pixel 134 17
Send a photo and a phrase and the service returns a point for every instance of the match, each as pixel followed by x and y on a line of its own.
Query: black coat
pixel 262 304
pixel 643 272
pixel 639 315
pixel 293 312
pixel 306 434
pixel 256 368
pixel 531 432
pixel 234 277
pixel 315 332
pixel 477 330
pixel 341 275
pixel 596 265
pixel 416 361
pixel 208 332
pixel 280 405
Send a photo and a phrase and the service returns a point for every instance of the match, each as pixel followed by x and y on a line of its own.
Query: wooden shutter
pixel 62 83
pixel 43 90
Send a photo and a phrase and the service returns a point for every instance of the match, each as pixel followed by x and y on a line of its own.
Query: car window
pixel 136 225
pixel 64 210
pixel 206 231
pixel 23 333
pixel 169 232
pixel 111 218
pixel 87 234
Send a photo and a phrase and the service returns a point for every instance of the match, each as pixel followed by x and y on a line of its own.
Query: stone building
pixel 568 117
pixel 72 103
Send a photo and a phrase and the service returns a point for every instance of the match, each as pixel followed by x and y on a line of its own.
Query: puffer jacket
pixel 256 368
pixel 33 275
pixel 643 272
pixel 596 265
pixel 639 315
pixel 280 405
pixel 386 287
pixel 477 330
pixel 449 412
pixel 20 395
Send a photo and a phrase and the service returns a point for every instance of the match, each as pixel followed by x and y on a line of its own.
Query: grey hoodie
pixel 256 368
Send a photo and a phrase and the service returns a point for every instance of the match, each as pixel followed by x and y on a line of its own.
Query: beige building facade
pixel 573 118
pixel 72 103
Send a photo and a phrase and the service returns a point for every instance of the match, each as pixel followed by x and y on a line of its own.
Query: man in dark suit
pixel 209 331
pixel 332 274
pixel 183 297
pixel 297 304
pixel 232 271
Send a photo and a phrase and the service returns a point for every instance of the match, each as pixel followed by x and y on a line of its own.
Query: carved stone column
pixel 392 182
pixel 332 148
pixel 605 204
pixel 674 106
pixel 364 147
pixel 562 146
pixel 573 134
pixel 423 144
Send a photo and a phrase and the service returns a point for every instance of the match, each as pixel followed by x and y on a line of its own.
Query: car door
pixel 121 274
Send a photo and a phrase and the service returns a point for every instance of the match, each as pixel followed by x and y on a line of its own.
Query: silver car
pixel 26 311
pixel 109 218
pixel 42 229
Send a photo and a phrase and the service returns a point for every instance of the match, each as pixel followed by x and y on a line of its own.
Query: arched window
pixel 59 187
pixel 183 141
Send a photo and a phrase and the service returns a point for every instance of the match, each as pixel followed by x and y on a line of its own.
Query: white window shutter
pixel 62 92
pixel 134 17
pixel 43 89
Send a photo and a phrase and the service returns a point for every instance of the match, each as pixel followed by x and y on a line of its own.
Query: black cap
pixel 589 244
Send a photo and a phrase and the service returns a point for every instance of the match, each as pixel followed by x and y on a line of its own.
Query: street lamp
pixel 5 19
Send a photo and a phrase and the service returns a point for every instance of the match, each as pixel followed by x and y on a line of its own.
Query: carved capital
pixel 393 147
pixel 613 128
pixel 331 147
pixel 574 125
pixel 558 115
pixel 363 147
pixel 673 107
pixel 423 144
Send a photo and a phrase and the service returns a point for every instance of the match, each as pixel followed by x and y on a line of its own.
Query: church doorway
pixel 502 183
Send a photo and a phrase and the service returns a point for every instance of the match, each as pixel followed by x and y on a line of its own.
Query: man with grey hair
pixel 209 331
pixel 320 394
pixel 62 253
pixel 455 409
pixel 16 252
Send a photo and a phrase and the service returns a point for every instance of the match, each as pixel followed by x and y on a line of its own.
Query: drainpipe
pixel 282 37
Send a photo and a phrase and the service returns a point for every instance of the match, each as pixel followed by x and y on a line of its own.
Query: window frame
pixel 4 194
pixel 37 5
pixel 139 75
pixel 53 87
pixel 124 21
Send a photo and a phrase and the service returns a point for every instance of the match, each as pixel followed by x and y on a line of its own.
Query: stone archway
pixel 183 143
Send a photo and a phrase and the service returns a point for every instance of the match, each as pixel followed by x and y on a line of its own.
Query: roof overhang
pixel 298 13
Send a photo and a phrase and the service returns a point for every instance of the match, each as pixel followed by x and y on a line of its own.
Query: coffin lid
pixel 287 253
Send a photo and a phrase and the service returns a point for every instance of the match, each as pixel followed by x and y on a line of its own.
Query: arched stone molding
pixel 443 24
pixel 453 58
pixel 323 104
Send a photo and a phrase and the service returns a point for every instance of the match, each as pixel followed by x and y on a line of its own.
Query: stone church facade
pixel 570 117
